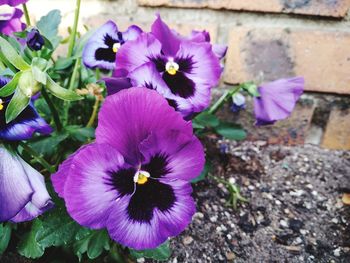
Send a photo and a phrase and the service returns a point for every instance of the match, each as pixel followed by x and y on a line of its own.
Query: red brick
pixel 337 134
pixel 265 54
pixel 335 8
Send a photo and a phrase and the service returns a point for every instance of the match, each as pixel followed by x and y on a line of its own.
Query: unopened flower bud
pixel 35 41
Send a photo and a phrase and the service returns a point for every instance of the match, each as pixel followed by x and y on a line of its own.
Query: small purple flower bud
pixel 35 41
pixel 238 103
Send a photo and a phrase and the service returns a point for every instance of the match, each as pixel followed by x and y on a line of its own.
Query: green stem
pixel 53 110
pixel 26 14
pixel 37 157
pixel 74 29
pixel 71 87
pixel 228 94
pixel 94 113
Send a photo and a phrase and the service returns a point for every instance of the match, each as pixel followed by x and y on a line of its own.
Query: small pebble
pixel 213 219
pixel 336 252
pixel 283 223
pixel 230 256
pixel 187 240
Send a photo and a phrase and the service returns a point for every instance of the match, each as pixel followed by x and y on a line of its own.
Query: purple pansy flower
pixel 10 20
pixel 12 2
pixel 277 99
pixel 25 125
pixel 23 192
pixel 100 51
pixel 135 179
pixel 182 70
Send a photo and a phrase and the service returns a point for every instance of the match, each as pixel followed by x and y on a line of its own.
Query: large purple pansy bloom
pixel 100 51
pixel 10 20
pixel 25 125
pixel 182 70
pixel 135 179
pixel 277 100
pixel 12 2
pixel 23 192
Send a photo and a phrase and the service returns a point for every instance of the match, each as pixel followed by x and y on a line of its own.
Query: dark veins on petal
pixel 26 115
pixel 107 54
pixel 153 194
pixel 159 62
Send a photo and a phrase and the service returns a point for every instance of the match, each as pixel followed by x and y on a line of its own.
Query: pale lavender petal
pixel 132 33
pixel 277 100
pixel 89 191
pixel 98 52
pixel 40 201
pixel 15 189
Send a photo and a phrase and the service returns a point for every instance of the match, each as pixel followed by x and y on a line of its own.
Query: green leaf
pixel 63 63
pixel 48 145
pixel 10 87
pixel 48 26
pixel 12 56
pixel 39 76
pixel 97 244
pixel 5 236
pixel 204 173
pixel 17 104
pixel 60 92
pixel 251 88
pixel 29 246
pixel 81 134
pixel 206 119
pixel 231 131
pixel 57 229
pixel 160 253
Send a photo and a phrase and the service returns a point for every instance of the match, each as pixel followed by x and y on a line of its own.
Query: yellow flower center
pixel 141 177
pixel 116 47
pixel 171 67
pixel 1 104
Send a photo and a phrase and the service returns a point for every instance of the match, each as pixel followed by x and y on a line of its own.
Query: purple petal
pixel 115 85
pixel 132 33
pixel 186 154
pixel 137 52
pixel 147 76
pixel 199 36
pixel 130 116
pixel 205 72
pixel 89 187
pixel 98 52
pixel 24 126
pixel 170 41
pixel 220 50
pixel 40 201
pixel 11 22
pixel 60 177
pixel 15 189
pixel 149 235
pixel 277 100
pixel 12 2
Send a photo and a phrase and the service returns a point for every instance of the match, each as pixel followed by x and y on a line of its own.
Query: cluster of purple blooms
pixel 135 179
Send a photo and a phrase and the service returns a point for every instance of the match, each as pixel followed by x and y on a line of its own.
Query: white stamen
pixel 140 172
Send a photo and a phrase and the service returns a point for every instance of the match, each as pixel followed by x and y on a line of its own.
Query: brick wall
pixel 267 39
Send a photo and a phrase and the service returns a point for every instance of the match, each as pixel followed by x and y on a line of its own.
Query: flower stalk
pixel 226 96
pixel 53 110
pixel 26 14
pixel 74 29
pixel 37 157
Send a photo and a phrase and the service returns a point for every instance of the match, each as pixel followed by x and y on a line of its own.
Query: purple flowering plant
pixel 99 147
